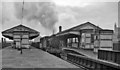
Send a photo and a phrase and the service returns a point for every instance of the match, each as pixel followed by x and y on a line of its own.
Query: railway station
pixel 30 58
pixel 84 36
pixel 73 54
pixel 86 45
pixel 83 47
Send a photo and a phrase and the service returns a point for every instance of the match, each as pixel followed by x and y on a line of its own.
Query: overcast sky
pixel 67 13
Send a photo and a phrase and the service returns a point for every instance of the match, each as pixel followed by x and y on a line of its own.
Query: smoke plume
pixel 42 12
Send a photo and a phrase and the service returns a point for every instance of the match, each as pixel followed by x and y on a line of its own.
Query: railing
pixel 92 64
pixel 5 45
pixel 116 46
pixel 113 56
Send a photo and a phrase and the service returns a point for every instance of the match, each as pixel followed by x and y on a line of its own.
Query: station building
pixel 86 36
pixel 21 35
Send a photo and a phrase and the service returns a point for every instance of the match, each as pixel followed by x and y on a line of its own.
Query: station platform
pixel 32 58
pixel 85 52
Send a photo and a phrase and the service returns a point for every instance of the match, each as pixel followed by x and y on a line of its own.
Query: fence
pixel 113 56
pixel 116 46
pixel 4 44
pixel 92 64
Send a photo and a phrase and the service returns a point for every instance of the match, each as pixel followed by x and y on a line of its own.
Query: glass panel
pixel 77 40
pixel 88 35
pixel 68 41
pixel 73 40
pixel 88 40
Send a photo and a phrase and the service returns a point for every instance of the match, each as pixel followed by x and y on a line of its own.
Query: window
pixel 74 40
pixel 106 37
pixel 68 41
pixel 95 37
pixel 88 40
pixel 88 35
pixel 92 38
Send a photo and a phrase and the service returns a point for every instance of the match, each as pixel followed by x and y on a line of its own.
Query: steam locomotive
pixel 50 44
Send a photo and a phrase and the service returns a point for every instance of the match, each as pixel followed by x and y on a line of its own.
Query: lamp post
pixel 21 44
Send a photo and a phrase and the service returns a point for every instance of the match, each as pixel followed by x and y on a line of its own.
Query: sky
pixel 47 17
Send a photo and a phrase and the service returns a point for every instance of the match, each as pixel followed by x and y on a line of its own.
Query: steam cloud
pixel 43 12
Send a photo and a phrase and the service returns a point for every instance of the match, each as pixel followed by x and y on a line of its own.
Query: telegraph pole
pixel 22 12
pixel 22 23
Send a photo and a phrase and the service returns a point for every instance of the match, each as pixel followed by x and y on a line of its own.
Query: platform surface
pixel 34 58
pixel 85 52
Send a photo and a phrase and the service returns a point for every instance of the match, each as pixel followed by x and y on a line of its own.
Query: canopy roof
pixel 20 29
pixel 75 30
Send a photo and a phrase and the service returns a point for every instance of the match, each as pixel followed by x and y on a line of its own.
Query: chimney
pixel 60 28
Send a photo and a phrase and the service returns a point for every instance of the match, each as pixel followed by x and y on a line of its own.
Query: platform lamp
pixel 21 44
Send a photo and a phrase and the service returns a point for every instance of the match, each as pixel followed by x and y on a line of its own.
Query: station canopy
pixel 20 29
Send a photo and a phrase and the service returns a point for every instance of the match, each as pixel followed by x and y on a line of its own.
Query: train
pixel 51 44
